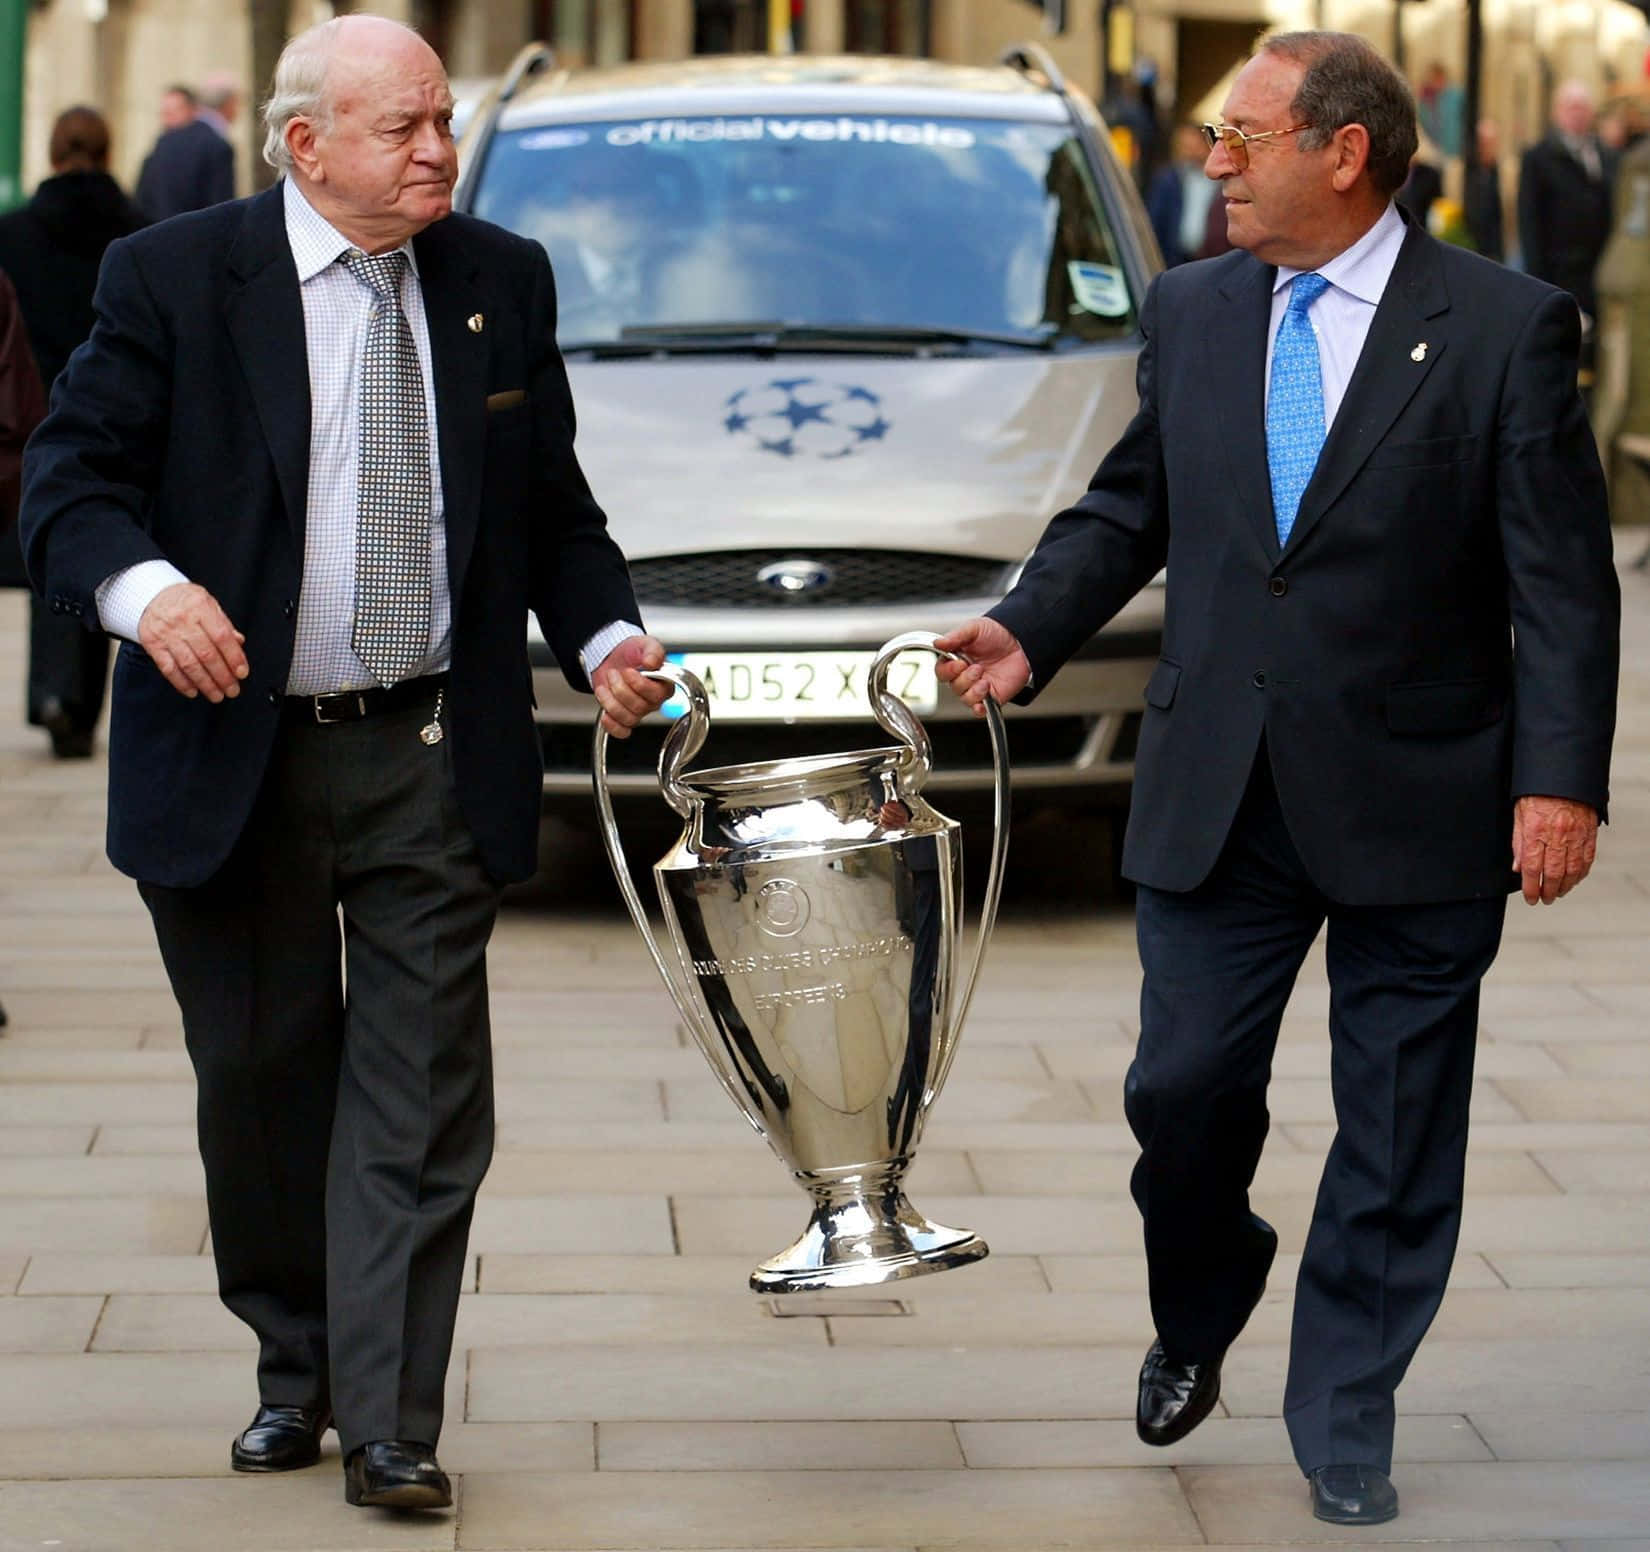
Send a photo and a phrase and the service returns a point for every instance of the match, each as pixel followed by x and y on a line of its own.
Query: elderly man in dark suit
pixel 1386 697
pixel 1564 190
pixel 316 464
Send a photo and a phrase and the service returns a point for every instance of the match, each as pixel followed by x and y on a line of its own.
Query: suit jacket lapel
pixel 1237 388
pixel 1386 377
pixel 459 357
pixel 265 318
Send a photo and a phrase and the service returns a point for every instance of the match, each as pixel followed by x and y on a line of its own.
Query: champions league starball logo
pixel 806 417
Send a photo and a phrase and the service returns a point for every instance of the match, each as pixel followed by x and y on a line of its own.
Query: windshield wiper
pixel 763 336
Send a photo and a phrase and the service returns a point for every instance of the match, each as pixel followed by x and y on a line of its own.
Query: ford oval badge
pixel 796 578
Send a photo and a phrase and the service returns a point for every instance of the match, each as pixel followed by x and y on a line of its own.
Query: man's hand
pixel 625 695
pixel 192 642
pixel 1554 842
pixel 996 666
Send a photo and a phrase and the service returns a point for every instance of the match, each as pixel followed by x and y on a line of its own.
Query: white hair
pixel 300 88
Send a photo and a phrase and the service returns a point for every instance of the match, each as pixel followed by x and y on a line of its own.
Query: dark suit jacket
pixel 1564 217
pixel 181 430
pixel 191 167
pixel 1457 501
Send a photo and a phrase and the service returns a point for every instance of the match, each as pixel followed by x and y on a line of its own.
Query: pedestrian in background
pixel 1564 198
pixel 177 107
pixel 1481 193
pixel 22 406
pixel 51 249
pixel 315 464
pixel 1386 696
pixel 1179 198
pixel 193 165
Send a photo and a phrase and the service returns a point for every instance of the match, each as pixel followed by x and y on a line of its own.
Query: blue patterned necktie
pixel 1294 407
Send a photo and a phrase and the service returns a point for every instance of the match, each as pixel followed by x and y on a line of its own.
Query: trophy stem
pixel 864 1231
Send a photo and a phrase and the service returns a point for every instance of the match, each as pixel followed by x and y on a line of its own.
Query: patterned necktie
pixel 392 536
pixel 1294 407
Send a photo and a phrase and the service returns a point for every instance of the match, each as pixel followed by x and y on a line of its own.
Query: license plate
pixel 797 686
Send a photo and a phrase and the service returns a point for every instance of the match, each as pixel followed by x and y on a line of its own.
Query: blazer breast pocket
pixel 508 399
pixel 1445 706
pixel 1428 453
pixel 1160 688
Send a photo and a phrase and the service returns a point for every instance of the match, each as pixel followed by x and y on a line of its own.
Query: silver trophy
pixel 814 909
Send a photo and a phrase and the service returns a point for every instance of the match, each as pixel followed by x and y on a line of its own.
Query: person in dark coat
pixel 1481 194
pixel 1564 198
pixel 190 168
pixel 51 249
pixel 22 407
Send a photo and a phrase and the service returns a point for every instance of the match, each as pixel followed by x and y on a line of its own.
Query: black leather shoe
pixel 1353 1495
pixel 281 1438
pixel 396 1474
pixel 1174 1397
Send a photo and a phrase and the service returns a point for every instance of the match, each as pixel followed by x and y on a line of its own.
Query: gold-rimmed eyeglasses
pixel 1237 142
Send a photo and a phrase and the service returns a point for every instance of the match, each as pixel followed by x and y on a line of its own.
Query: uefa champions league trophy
pixel 813 907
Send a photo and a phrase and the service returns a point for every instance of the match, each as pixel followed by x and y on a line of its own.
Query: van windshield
pixel 978 229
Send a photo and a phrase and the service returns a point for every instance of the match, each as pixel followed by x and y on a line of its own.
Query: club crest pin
pixel 1418 354
pixel 475 322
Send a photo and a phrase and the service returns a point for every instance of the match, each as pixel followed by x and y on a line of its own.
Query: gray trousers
pixel 332 978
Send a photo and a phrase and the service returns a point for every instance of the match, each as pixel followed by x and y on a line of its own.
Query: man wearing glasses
pixel 1386 699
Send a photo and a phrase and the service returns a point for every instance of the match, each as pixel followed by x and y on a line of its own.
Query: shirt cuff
pixel 122 598
pixel 594 652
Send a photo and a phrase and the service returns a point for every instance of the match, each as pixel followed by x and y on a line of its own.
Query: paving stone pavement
pixel 615 1386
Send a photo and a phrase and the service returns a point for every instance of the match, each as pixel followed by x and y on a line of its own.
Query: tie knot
pixel 1305 290
pixel 381 271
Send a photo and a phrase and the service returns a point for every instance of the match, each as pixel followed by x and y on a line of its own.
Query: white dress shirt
pixel 337 309
pixel 1341 316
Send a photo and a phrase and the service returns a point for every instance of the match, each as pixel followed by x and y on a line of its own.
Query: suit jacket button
pixel 289 608
pixel 1278 586
pixel 1258 679
pixel 274 697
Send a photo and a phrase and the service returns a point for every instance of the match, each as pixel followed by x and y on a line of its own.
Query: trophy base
pixel 859 1241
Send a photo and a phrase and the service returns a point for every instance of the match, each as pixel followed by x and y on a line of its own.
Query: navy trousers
pixel 1219 964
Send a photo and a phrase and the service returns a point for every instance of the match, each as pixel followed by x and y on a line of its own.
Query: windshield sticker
pixel 1099 288
pixel 554 139
pixel 806 417
pixel 872 131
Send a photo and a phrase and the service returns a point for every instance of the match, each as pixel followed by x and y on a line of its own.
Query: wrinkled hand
pixel 626 697
pixel 995 664
pixel 1554 842
pixel 193 643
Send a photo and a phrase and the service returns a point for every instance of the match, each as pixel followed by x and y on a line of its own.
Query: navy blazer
pixel 181 430
pixel 190 167
pixel 1441 632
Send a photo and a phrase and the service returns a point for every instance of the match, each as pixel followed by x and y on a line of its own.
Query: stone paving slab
pixel 787 1509
pixel 299 1512
pixel 780 1446
pixel 753 1384
pixel 1518 1501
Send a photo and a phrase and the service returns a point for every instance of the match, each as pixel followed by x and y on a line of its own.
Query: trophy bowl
pixel 813 908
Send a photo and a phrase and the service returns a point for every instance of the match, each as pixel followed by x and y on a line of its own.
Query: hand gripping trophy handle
pixel 814 910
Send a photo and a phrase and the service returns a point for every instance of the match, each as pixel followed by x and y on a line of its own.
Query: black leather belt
pixel 352 705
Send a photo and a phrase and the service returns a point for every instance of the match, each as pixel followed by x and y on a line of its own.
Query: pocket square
pixel 507 400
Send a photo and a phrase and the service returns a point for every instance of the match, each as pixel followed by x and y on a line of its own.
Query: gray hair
pixel 1347 82
pixel 299 90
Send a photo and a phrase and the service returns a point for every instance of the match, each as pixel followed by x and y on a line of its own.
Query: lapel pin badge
pixel 1418 354
pixel 475 321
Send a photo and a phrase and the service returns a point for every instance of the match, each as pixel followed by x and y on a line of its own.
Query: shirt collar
pixel 315 242
pixel 1362 270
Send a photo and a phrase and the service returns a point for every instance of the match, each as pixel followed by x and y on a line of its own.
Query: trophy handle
pixel 684 740
pixel 898 719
